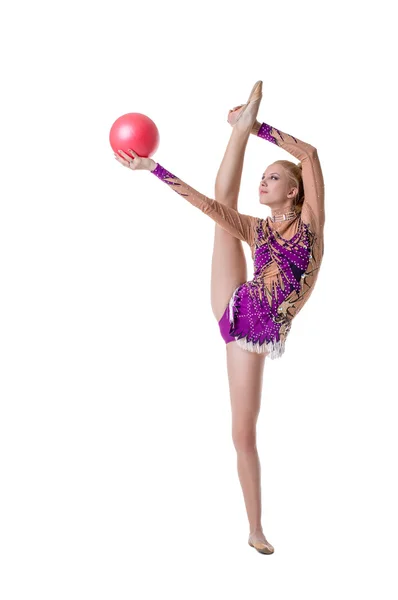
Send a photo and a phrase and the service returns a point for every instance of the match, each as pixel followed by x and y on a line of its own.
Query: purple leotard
pixel 287 255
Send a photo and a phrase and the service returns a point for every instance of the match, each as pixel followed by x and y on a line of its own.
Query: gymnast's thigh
pixel 228 269
pixel 245 376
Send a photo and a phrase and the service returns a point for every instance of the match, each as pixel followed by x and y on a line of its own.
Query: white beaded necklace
pixel 285 217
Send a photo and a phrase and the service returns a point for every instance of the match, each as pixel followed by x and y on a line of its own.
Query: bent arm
pixel 239 225
pixel 313 210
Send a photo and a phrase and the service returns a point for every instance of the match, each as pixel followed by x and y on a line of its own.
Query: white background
pixel 118 472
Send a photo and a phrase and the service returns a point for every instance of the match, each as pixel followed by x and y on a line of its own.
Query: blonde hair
pixel 295 179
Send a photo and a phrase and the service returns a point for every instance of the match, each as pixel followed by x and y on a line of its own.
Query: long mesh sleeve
pixel 313 210
pixel 239 225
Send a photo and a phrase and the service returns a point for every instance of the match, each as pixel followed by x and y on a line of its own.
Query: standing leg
pixel 245 375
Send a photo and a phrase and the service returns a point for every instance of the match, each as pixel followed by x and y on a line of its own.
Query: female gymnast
pixel 287 248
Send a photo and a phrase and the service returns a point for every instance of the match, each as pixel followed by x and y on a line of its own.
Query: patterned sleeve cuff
pixel 265 133
pixel 162 173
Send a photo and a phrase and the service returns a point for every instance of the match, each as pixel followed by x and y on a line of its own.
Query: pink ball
pixel 135 131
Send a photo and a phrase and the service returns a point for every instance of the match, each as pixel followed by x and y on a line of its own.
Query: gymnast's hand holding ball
pixel 135 162
pixel 134 130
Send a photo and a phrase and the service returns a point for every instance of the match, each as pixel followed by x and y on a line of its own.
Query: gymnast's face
pixel 274 188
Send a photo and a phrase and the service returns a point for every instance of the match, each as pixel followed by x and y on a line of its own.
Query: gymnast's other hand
pixel 234 113
pixel 135 162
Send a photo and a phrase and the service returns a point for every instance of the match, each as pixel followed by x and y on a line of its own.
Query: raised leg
pixel 228 269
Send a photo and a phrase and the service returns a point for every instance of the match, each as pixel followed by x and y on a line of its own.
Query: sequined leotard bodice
pixel 287 255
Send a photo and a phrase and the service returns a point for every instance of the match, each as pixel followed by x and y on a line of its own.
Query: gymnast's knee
pixel 244 438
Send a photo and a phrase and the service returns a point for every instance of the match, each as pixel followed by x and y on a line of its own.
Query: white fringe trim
pixel 274 349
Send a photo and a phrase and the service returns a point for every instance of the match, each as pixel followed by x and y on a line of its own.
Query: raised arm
pixel 313 210
pixel 239 225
